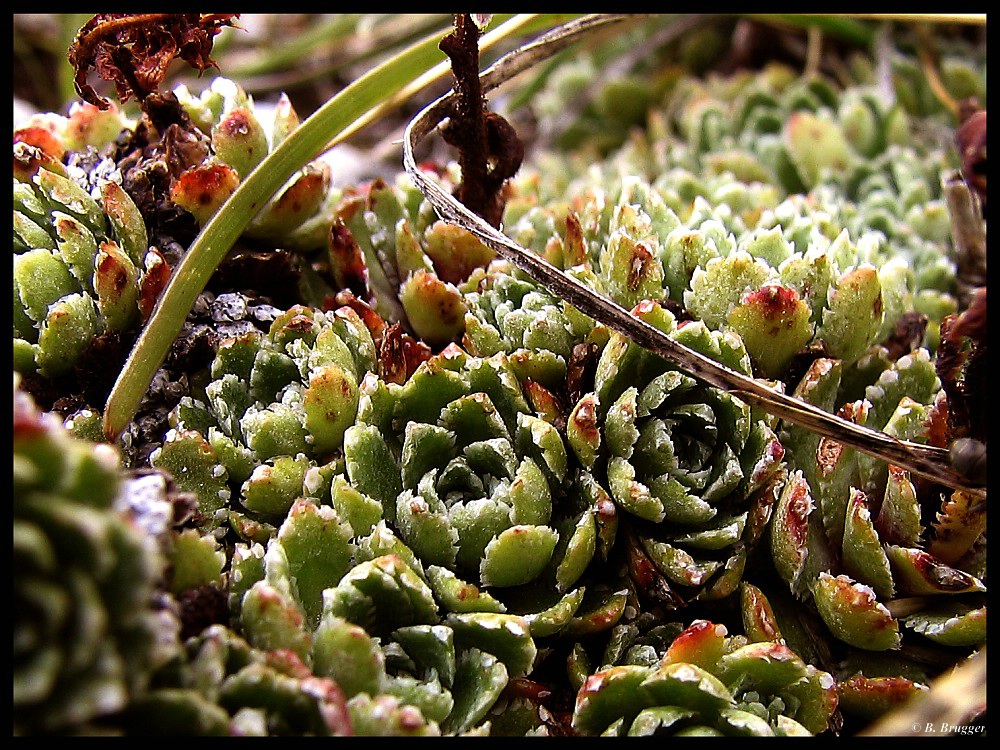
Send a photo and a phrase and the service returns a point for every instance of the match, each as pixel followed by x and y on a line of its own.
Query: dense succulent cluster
pixel 768 203
pixel 82 267
pixel 849 532
pixel 433 498
pixel 299 215
pixel 88 631
pixel 356 608
pixel 87 186
pixel 707 683
pixel 808 219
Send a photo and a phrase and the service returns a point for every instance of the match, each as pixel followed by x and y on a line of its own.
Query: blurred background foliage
pixel 311 57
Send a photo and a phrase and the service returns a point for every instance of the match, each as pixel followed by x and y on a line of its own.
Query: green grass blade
pixel 291 51
pixel 843 27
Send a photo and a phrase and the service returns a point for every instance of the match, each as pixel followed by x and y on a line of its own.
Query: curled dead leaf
pixel 133 50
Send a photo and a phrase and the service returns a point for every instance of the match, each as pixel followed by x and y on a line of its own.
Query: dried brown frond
pixel 133 50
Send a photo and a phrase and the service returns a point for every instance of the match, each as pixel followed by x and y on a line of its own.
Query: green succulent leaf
pixel 317 545
pixel 918 572
pixel 864 558
pixel 432 647
pixel 815 144
pixel 347 654
pixel 872 697
pixel 953 625
pixel 853 614
pixel 456 595
pixel 273 619
pixel 387 716
pixel 774 324
pixel 855 313
pixel 381 595
pixel 517 555
pixel 506 636
pixel 190 459
pixel 480 678
pixel 606 696
pixel 196 560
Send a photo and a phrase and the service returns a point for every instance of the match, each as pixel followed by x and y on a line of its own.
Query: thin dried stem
pixel 974 19
pixel 814 51
pixel 929 64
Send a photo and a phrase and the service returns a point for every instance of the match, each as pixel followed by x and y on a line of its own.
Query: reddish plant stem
pixel 489 150
pixel 467 130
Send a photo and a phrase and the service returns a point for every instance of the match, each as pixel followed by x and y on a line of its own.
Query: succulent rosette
pixel 219 685
pixel 299 216
pixel 82 267
pixel 859 540
pixel 835 144
pixel 277 405
pixel 475 480
pixel 694 470
pixel 355 605
pixel 707 683
pixel 88 631
pixel 510 313
pixel 805 130
pixel 838 294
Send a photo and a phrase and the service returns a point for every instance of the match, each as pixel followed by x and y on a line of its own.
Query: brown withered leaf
pixel 374 322
pixel 937 432
pixel 152 282
pixel 907 334
pixel 970 138
pixel 399 354
pixel 347 262
pixel 962 366
pixel 649 582
pixel 133 50
pixel 580 370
